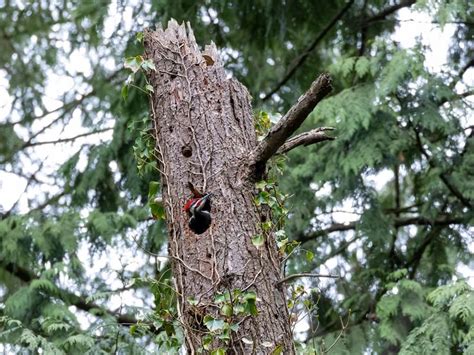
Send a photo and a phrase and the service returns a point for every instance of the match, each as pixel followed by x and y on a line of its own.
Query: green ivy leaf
pixel 148 65
pixel 220 298
pixel 266 226
pixel 250 304
pixel 258 240
pixel 227 310
pixel 156 206
pixel 290 246
pixel 192 301
pixel 133 63
pixel 153 188
pixel 207 341
pixel 124 92
pixel 130 79
pixel 149 88
pixel 213 324
pixel 280 234
pixel 261 185
pixel 157 210
pixel 139 37
pixel 278 350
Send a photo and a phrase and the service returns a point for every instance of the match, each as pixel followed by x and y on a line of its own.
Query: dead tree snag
pixel 205 134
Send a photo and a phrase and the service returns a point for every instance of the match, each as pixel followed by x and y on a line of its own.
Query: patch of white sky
pixel 413 27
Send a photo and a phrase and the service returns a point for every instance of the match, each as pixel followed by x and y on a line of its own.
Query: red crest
pixel 188 204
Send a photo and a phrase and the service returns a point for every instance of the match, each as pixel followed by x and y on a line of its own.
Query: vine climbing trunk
pixel 229 295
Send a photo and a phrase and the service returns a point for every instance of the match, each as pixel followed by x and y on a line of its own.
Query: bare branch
pixel 292 120
pixel 445 178
pixel 415 259
pixel 314 136
pixel 28 182
pixel 398 222
pixel 460 96
pixel 468 65
pixel 298 61
pixel 388 11
pixel 305 274
pixel 70 139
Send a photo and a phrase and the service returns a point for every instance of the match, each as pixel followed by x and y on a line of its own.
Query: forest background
pixel 387 206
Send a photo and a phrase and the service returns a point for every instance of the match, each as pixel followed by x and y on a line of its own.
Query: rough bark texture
pixel 205 134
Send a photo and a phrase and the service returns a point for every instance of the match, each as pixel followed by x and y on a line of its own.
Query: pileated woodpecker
pixel 199 212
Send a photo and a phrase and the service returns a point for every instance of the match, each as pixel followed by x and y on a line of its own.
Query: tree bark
pixel 205 135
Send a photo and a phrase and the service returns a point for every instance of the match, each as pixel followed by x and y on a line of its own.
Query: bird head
pixel 196 203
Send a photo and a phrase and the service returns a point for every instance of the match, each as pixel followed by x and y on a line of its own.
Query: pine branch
pixel 70 298
pixel 311 137
pixel 289 123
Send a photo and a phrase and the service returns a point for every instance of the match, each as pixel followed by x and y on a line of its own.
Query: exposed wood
pixel 316 135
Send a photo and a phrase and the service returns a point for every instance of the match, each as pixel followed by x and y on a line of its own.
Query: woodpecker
pixel 199 212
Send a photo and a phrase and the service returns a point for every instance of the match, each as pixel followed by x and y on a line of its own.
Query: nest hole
pixel 186 151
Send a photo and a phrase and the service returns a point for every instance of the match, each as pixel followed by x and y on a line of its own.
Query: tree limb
pixel 398 222
pixel 468 65
pixel 298 61
pixel 460 96
pixel 69 139
pixel 445 178
pixel 415 260
pixel 388 11
pixel 305 274
pixel 311 137
pixel 289 123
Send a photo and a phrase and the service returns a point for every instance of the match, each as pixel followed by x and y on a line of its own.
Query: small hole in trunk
pixel 186 151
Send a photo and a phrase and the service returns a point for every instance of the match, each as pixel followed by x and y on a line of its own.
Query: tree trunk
pixel 205 135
